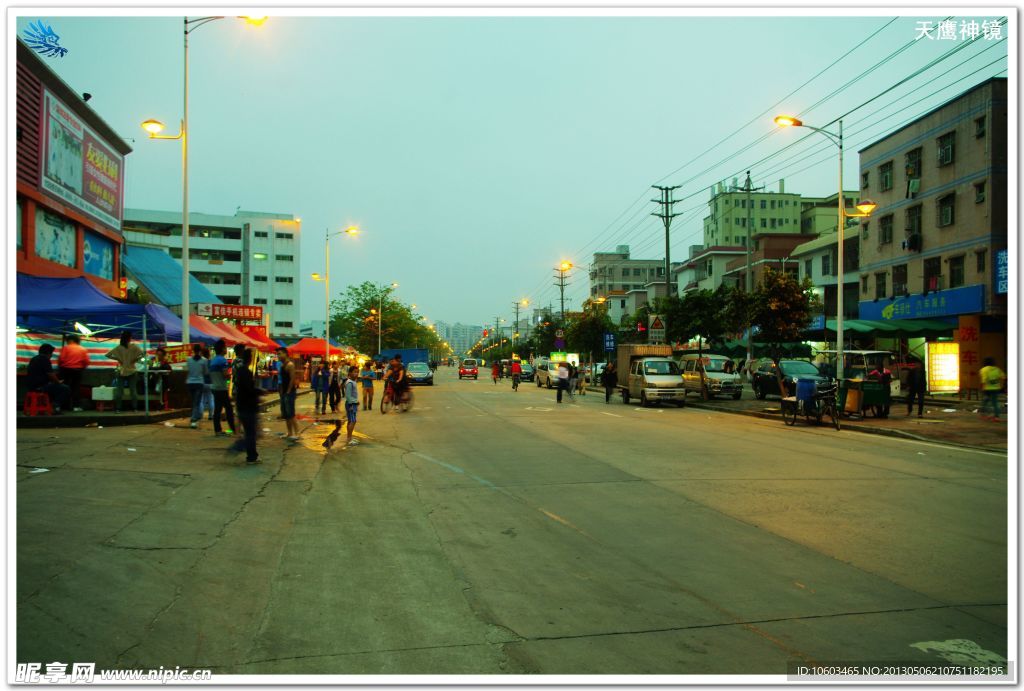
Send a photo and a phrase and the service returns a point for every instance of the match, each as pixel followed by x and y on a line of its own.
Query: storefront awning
pixel 893 328
pixel 160 275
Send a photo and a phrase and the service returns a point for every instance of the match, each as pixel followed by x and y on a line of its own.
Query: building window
pixel 885 230
pixel 864 180
pixel 282 302
pixel 981 262
pixel 864 285
pixel 259 279
pixel 743 203
pixel 773 223
pixel 286 325
pixel 913 163
pixel 808 268
pixel 283 279
pixel 914 219
pixel 284 257
pixel 945 150
pixel 636 272
pixel 259 256
pixel 899 280
pixel 946 209
pixel 175 252
pixel 764 204
pixel 625 272
pixel 826 269
pixel 661 270
pixel 880 291
pixel 885 176
pixel 979 192
pixel 773 203
pixel 260 233
pixel 979 126
pixel 764 222
pixel 283 236
pixel 932 274
pixel 956 271
pixel 259 301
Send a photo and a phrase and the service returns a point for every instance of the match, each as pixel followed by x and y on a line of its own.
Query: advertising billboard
pixel 78 167
pixel 225 311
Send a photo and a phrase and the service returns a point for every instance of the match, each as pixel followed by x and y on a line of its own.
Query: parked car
pixel 528 372
pixel 765 382
pixel 546 372
pixel 469 368
pixel 718 375
pixel 420 373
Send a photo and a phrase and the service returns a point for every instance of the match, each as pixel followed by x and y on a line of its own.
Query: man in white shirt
pixel 563 379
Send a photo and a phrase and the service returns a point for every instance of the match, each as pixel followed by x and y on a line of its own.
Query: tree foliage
pixel 355 321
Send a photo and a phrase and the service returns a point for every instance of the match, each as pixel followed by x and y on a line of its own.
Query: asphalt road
pixel 492 532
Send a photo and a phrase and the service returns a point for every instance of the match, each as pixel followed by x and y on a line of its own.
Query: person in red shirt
pixel 72 363
pixel 517 371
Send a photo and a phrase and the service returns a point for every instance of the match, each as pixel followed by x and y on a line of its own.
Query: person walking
pixel 207 387
pixel 563 379
pixel 320 382
pixel 496 371
pixel 609 380
pixel 198 371
pixel 219 373
pixel 351 403
pixel 367 376
pixel 916 384
pixel 126 354
pixel 517 373
pixel 247 398
pixel 574 374
pixel 71 365
pixel 992 380
pixel 334 388
pixel 161 385
pixel 287 389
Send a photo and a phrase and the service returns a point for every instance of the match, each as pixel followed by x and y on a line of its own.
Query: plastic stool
pixel 37 403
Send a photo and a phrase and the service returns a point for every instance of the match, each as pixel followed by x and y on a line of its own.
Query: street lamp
pixel 154 128
pixel 353 231
pixel 864 210
pixel 562 268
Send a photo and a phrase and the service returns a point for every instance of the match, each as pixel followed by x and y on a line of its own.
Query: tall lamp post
pixel 562 269
pixel 353 231
pixel 154 128
pixel 864 210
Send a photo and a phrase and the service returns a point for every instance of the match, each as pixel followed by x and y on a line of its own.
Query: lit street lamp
pixel 864 210
pixel 562 269
pixel 154 128
pixel 351 230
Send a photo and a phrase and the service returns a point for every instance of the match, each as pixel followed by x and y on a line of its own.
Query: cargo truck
pixel 649 373
pixel 408 354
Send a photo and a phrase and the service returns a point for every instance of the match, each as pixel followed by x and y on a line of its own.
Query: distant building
pixel 461 337
pixel 313 329
pixel 706 267
pixel 69 174
pixel 771 250
pixel 769 212
pixel 936 246
pixel 250 258
pixel 616 272
pixel 818 260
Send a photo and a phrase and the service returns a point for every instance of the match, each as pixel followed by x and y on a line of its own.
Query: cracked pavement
pixel 492 532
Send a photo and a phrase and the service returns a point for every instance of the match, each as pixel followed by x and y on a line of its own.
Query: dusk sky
pixel 477 152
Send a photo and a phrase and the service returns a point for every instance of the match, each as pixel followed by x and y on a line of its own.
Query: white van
pixel 546 372
pixel 710 371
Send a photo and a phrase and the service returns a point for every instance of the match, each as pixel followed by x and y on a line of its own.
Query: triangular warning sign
pixel 657 323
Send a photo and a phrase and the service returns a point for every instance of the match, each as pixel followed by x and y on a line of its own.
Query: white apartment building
pixel 249 258
pixel 460 337
pixel 617 272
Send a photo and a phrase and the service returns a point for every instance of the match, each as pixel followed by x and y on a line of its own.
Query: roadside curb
pixel 885 432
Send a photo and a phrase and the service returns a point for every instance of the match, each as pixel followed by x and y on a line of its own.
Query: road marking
pixel 538 408
pixel 650 410
pixel 612 414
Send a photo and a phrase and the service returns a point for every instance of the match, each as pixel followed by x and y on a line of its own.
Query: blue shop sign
pixel 817 323
pixel 1002 272
pixel 942 303
pixel 609 342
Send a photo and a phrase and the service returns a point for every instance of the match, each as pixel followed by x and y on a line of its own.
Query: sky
pixel 477 152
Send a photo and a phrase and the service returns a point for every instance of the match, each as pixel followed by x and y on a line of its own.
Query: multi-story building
pixel 460 337
pixel 706 267
pixel 69 181
pixel 936 245
pixel 313 329
pixel 771 250
pixel 818 260
pixel 250 258
pixel 769 212
pixel 616 272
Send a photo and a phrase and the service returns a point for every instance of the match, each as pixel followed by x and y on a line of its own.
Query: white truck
pixel 649 373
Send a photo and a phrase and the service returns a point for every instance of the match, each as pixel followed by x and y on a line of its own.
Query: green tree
pixel 355 321
pixel 781 309
pixel 585 332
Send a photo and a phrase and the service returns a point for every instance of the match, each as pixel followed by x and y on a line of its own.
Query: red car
pixel 468 368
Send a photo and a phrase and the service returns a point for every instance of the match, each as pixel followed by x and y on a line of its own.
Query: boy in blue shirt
pixel 351 402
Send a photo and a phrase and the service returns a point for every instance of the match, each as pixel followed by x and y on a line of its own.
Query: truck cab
pixel 653 379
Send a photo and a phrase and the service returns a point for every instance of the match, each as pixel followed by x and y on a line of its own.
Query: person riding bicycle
pixel 399 382
pixel 517 371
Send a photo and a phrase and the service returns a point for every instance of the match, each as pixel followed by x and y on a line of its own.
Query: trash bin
pixel 850 396
pixel 805 389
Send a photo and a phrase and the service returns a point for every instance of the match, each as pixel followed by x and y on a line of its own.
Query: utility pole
pixel 561 270
pixel 748 188
pixel 666 217
pixel 515 326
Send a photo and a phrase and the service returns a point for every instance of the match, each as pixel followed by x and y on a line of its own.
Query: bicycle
pixel 821 404
pixel 515 382
pixel 387 401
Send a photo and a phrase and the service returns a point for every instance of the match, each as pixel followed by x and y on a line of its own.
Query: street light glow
pixel 154 127
pixel 866 207
pixel 254 20
pixel 788 121
pixel 565 266
pixel 316 277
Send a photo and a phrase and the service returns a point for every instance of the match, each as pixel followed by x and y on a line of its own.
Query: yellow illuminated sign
pixel 943 367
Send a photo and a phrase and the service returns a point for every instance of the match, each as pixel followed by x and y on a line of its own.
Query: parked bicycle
pixel 814 409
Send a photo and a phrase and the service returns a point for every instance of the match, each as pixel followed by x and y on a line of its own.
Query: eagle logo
pixel 42 39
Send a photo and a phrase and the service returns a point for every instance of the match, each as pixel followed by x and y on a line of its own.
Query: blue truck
pixel 408 354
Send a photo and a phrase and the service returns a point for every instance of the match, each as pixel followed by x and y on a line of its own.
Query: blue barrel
pixel 805 389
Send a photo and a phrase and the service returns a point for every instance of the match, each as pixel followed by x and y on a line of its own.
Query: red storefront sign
pixel 241 312
pixel 178 354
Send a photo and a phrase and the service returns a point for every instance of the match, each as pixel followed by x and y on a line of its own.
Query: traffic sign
pixel 655 328
pixel 559 333
pixel 609 342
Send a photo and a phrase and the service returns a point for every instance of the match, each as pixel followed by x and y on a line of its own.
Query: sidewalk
pixel 95 418
pixel 953 421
